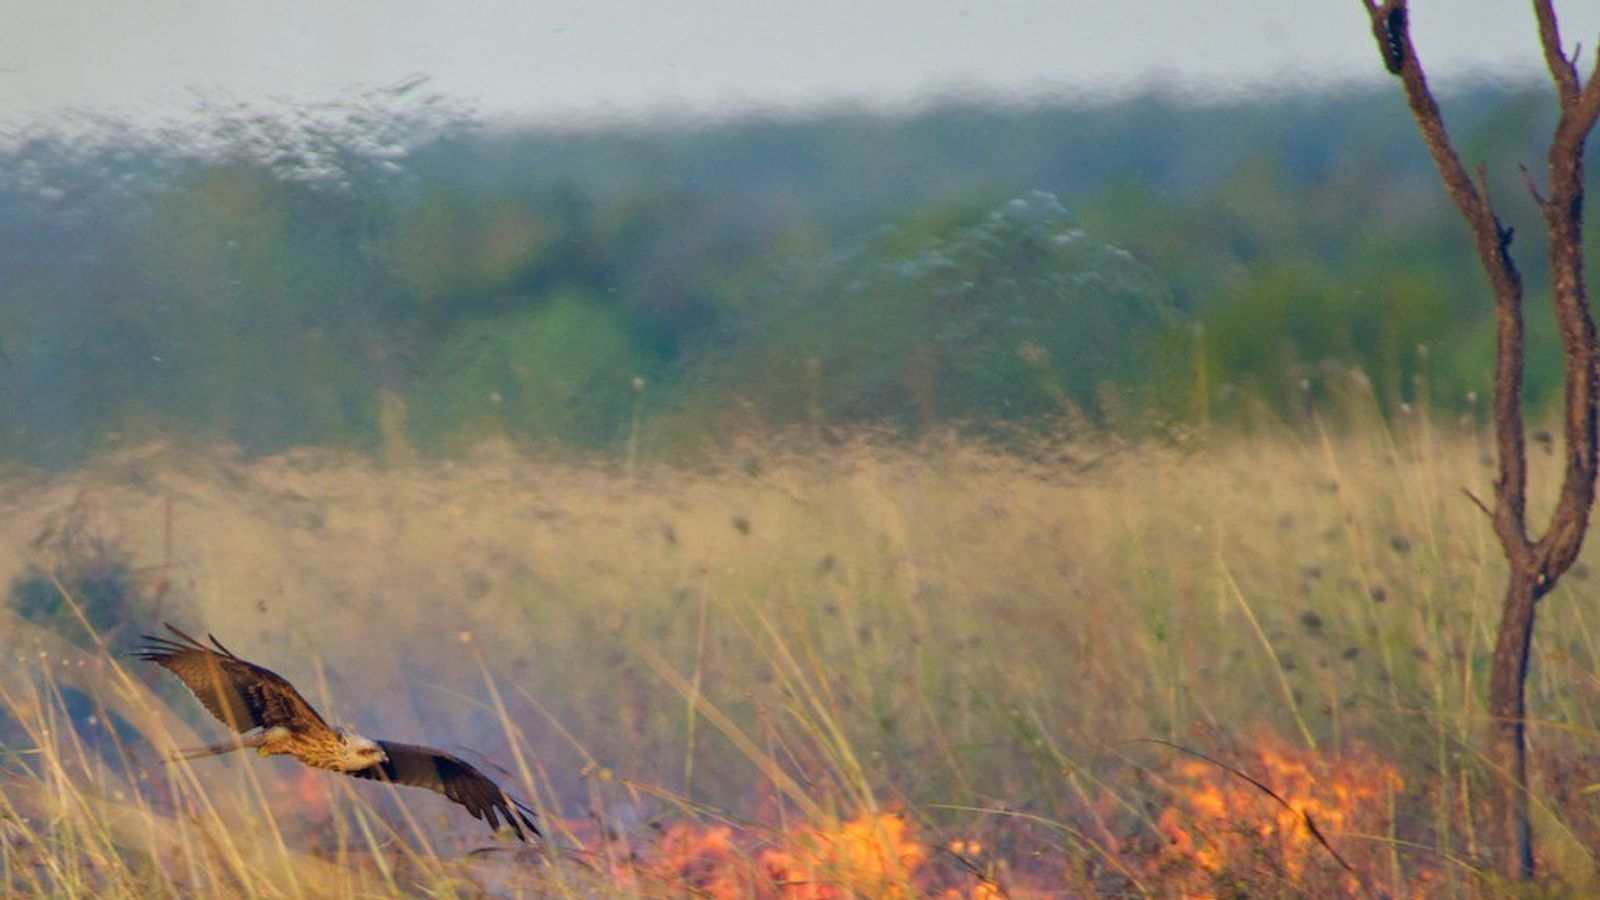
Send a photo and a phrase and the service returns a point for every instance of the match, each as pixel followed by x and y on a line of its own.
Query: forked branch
pixel 1535 566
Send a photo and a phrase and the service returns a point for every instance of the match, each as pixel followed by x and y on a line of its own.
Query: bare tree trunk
pixel 1534 565
pixel 1508 746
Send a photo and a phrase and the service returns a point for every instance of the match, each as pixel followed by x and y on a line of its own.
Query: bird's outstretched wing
pixel 425 767
pixel 242 695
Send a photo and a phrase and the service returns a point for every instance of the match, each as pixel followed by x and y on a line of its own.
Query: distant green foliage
pixel 269 278
pixel 1018 315
pixel 562 369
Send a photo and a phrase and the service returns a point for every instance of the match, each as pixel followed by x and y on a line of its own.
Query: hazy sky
pixel 617 58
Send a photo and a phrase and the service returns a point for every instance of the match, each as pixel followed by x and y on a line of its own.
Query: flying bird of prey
pixel 272 718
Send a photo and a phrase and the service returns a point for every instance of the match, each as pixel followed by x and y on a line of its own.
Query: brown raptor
pixel 272 718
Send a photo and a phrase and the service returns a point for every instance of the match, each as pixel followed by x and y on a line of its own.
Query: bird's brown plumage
pixel 265 708
pixel 242 695
pixel 451 776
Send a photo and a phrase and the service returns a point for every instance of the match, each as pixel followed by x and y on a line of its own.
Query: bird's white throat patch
pixel 359 751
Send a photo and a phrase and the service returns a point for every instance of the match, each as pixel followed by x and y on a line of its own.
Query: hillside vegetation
pixel 384 265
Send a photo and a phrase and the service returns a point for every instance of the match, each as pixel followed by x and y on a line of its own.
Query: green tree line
pixel 330 275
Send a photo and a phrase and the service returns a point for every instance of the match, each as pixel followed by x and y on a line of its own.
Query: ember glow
pixel 1220 828
pixel 872 854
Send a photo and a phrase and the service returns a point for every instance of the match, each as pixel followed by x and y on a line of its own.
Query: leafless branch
pixel 1533 186
pixel 1392 28
pixel 1477 502
pixel 1535 566
pixel 1562 70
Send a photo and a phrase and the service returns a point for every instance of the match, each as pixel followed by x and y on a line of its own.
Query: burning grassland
pixel 807 670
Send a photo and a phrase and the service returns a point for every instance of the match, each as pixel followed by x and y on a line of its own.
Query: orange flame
pixel 874 854
pixel 1219 824
pixel 871 855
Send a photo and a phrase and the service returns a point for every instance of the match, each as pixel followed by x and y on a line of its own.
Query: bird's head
pixel 361 751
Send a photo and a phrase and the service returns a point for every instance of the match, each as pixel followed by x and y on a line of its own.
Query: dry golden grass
pixel 802 638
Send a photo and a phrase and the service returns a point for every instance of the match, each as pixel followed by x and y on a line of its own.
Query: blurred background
pixel 599 226
pixel 868 372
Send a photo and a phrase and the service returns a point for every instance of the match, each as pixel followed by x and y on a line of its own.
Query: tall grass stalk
pixel 784 641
